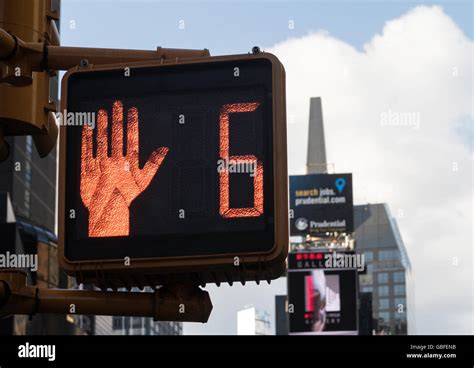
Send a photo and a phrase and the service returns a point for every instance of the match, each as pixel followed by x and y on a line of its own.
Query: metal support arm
pixel 19 59
pixel 175 302
pixel 36 57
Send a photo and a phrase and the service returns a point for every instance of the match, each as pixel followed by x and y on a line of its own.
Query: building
pixel 21 237
pixel 388 268
pixel 316 160
pixel 366 320
pixel 251 321
pixel 121 325
pixel 281 315
pixel 31 182
pixel 142 326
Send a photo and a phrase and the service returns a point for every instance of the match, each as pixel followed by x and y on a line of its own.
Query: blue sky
pixel 227 27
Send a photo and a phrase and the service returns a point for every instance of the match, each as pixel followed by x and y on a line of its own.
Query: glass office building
pixel 388 268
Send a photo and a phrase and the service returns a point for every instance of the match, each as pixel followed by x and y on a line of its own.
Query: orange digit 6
pixel 248 160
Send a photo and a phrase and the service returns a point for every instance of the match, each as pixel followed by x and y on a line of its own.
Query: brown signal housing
pixel 201 269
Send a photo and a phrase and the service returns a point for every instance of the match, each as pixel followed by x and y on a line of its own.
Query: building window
pixel 399 276
pixel 126 323
pixel 399 289
pixel 382 277
pixel 383 303
pixel 401 316
pixel 400 301
pixel 28 173
pixel 136 322
pixel 29 145
pixel 370 268
pixel 366 289
pixel 117 323
pixel 27 198
pixel 400 305
pixel 368 256
pixel 389 255
pixel 384 316
pixel 383 291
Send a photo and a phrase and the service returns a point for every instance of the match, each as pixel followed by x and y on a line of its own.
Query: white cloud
pixel 421 63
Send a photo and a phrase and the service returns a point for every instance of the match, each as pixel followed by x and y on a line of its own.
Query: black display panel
pixel 323 301
pixel 321 203
pixel 189 173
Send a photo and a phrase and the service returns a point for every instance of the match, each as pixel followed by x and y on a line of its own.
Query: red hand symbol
pixel 110 184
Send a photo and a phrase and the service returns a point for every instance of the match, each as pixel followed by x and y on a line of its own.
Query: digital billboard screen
pixel 322 300
pixel 321 203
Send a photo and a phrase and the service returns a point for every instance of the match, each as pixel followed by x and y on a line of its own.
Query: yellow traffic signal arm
pixel 19 59
pixel 37 57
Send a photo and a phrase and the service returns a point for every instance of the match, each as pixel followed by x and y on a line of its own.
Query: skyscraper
pixel 388 268
pixel 316 159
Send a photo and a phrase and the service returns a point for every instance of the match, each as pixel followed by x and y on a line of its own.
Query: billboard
pixel 321 203
pixel 322 300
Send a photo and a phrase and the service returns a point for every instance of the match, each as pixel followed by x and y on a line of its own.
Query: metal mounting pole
pixel 27 57
pixel 19 59
pixel 183 302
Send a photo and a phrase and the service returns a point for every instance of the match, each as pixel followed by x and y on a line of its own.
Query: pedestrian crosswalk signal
pixel 178 167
